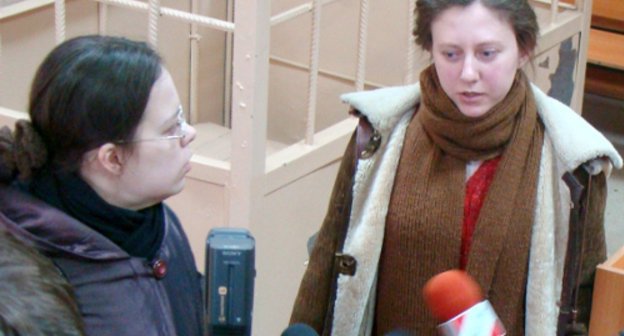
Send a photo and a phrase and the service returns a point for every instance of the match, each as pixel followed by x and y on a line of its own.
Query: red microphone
pixel 455 299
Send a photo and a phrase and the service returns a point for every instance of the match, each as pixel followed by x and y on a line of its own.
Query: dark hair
pixel 35 299
pixel 88 91
pixel 518 12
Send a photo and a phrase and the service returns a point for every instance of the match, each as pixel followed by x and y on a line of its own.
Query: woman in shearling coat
pixel 472 168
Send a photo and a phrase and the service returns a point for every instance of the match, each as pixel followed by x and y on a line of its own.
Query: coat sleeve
pixel 594 245
pixel 316 288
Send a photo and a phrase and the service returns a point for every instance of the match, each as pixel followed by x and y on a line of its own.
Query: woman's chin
pixel 177 188
pixel 473 111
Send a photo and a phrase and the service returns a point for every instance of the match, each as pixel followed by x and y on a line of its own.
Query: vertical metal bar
pixel 579 82
pixel 314 68
pixel 59 20
pixel 194 66
pixel 554 9
pixel 249 111
pixel 411 45
pixel 229 42
pixel 102 18
pixel 360 75
pixel 152 24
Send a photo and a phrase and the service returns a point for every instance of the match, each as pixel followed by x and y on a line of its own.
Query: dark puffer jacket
pixel 117 294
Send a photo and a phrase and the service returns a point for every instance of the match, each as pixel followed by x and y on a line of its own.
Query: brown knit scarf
pixel 425 216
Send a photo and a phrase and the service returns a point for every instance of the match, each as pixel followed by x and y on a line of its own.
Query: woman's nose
pixel 469 71
pixel 190 135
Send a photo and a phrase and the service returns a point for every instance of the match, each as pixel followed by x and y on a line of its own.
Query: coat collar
pixel 50 230
pixel 575 141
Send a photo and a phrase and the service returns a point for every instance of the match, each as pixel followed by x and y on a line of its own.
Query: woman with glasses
pixel 84 182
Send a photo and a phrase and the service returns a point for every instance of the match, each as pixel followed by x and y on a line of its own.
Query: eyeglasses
pixel 180 131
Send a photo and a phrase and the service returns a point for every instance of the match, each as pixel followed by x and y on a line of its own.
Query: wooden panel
pixel 608 14
pixel 605 81
pixel 606 49
pixel 607 317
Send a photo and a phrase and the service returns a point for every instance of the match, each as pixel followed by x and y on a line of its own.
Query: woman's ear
pixel 111 158
pixel 524 58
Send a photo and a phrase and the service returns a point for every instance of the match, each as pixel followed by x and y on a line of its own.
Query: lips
pixel 187 165
pixel 470 97
pixel 471 94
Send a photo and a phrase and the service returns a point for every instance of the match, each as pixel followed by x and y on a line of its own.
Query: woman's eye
pixel 488 54
pixel 450 55
pixel 173 129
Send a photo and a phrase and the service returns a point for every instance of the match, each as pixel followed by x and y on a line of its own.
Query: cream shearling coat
pixel 569 141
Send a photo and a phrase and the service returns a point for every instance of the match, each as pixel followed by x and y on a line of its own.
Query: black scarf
pixel 139 233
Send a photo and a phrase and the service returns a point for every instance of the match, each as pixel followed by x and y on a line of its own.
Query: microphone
pixel 455 299
pixel 299 329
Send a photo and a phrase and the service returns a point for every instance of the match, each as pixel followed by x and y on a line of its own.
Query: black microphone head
pixel 299 329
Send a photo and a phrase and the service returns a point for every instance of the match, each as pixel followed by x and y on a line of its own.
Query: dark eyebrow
pixel 448 45
pixel 480 45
